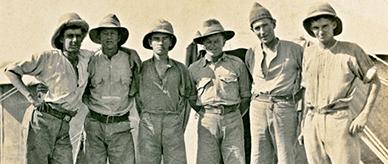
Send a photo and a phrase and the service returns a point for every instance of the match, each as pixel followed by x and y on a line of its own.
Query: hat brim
pixel 307 22
pixel 55 39
pixel 148 36
pixel 94 34
pixel 228 35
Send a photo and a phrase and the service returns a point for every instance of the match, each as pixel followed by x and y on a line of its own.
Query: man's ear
pixel 149 42
pixel 274 23
pixel 61 39
pixel 334 24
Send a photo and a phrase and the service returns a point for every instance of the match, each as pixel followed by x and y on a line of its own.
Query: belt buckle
pixel 221 109
pixel 67 118
pixel 108 118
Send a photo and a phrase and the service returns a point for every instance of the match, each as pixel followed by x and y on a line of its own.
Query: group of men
pixel 112 80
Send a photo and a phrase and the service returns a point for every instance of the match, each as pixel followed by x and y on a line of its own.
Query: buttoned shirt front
pixel 167 94
pixel 55 71
pixel 329 74
pixel 279 77
pixel 224 82
pixel 110 83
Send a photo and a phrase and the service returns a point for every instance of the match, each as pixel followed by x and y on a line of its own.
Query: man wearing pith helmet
pixel 64 71
pixel 330 69
pixel 164 89
pixel 110 95
pixel 222 97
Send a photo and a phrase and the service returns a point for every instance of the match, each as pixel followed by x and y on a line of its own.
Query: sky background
pixel 26 26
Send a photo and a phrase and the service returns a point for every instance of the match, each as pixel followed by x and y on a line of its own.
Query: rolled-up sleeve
pixel 362 66
pixel 33 66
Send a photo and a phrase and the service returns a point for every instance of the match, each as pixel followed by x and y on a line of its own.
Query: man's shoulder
pixel 348 45
pixel 233 59
pixel 291 44
pixel 178 63
pixel 86 53
pixel 197 64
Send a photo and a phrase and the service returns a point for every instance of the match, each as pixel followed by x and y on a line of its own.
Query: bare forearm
pixel 373 92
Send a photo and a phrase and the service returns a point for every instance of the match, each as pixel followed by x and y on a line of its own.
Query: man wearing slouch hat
pixel 64 71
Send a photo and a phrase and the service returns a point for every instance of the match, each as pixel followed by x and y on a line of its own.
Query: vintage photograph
pixel 193 82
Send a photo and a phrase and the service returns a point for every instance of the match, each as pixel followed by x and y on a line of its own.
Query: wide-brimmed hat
pixel 211 27
pixel 160 26
pixel 258 12
pixel 322 9
pixel 109 22
pixel 66 20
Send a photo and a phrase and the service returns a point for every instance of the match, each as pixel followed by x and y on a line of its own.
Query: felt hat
pixel 109 22
pixel 66 20
pixel 258 12
pixel 211 27
pixel 160 26
pixel 322 9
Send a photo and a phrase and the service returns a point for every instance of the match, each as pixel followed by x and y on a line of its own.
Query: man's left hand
pixel 358 124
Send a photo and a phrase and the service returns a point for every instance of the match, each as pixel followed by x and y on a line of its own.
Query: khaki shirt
pixel 282 76
pixel 168 94
pixel 110 83
pixel 56 72
pixel 329 74
pixel 222 83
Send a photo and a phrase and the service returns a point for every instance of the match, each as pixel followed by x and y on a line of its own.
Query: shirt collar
pixel 206 59
pixel 276 46
pixel 169 64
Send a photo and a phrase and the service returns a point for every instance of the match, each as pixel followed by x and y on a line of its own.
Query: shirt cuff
pixel 370 74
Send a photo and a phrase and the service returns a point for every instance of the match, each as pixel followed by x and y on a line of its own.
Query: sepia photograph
pixel 193 82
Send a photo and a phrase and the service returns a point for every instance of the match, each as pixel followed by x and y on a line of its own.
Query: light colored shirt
pixel 56 72
pixel 329 74
pixel 224 82
pixel 168 94
pixel 110 83
pixel 279 77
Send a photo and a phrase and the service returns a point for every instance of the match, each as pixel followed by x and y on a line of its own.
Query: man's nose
pixel 74 38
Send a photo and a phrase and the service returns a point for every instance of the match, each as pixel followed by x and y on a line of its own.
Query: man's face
pixel 160 43
pixel 323 29
pixel 214 44
pixel 264 29
pixel 109 38
pixel 72 39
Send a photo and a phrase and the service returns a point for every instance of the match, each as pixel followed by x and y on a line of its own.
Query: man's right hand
pixel 34 100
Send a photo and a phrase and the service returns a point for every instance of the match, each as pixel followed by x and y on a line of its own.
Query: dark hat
pixel 211 27
pixel 258 12
pixel 160 26
pixel 109 22
pixel 66 20
pixel 322 9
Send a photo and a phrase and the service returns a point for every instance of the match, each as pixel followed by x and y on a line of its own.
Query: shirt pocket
pixel 229 78
pixel 97 81
pixel 229 84
pixel 126 80
pixel 201 85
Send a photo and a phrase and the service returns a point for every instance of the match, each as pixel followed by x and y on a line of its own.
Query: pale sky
pixel 26 26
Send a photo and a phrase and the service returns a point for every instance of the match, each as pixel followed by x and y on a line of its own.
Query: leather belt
pixel 221 109
pixel 46 108
pixel 330 108
pixel 108 119
pixel 290 97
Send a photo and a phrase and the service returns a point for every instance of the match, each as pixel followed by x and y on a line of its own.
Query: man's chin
pixel 73 50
